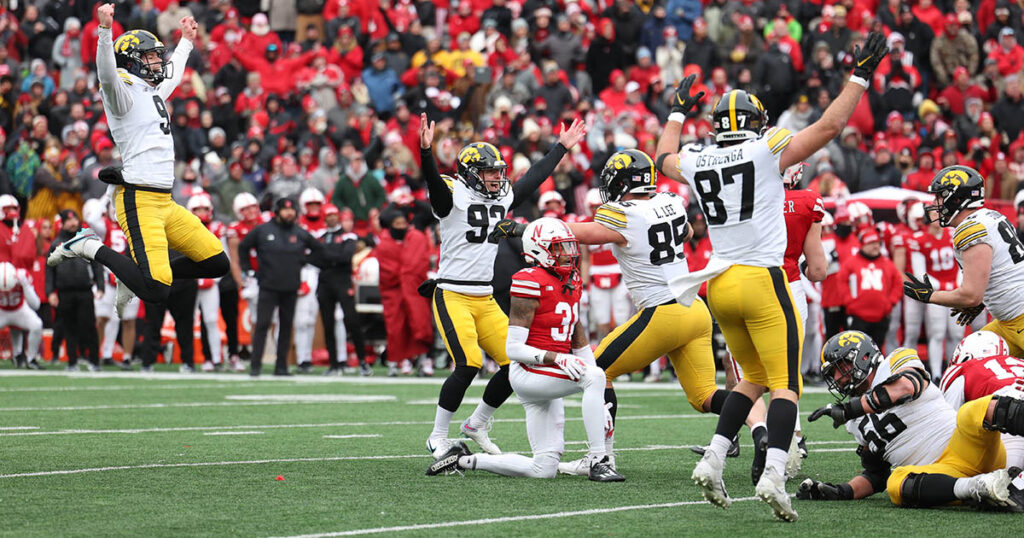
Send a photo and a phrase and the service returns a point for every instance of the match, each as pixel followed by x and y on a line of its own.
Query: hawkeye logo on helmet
pixel 469 155
pixel 621 161
pixel 127 41
pixel 850 339
pixel 954 178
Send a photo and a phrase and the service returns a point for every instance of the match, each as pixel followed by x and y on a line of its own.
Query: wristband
pixel 677 117
pixel 858 80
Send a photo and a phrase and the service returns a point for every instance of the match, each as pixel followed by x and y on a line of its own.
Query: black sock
pixel 928 490
pixel 131 275
pixel 498 389
pixel 781 420
pixel 734 413
pixel 212 267
pixel 454 388
pixel 609 397
pixel 718 401
pixel 758 434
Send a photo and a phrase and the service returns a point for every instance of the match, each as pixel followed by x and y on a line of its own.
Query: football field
pixel 168 454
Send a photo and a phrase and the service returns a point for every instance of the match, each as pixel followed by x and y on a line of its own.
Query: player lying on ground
pixel 543 329
pixel 912 443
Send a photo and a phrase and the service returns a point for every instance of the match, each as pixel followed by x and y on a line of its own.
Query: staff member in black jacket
pixel 181 303
pixel 281 252
pixel 69 290
pixel 335 286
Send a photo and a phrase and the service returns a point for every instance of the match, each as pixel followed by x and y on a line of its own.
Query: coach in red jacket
pixel 874 287
pixel 404 257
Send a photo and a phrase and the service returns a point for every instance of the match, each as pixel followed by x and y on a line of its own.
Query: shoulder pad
pixel 525 284
pixel 903 357
pixel 969 232
pixel 612 215
pixel 125 77
pixel 777 139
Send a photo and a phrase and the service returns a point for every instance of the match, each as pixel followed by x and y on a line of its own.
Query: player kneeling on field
pixel 543 328
pixel 912 443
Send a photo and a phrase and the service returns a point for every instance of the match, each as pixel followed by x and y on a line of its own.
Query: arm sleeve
pixel 536 175
pixel 517 349
pixel 440 196
pixel 178 60
pixel 115 95
pixel 30 295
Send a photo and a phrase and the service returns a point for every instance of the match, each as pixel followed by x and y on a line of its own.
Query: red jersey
pixel 605 272
pixel 832 288
pixel 802 209
pixel 973 379
pixel 556 315
pixel 240 229
pixel 873 287
pixel 218 229
pixel 12 300
pixel 938 258
pixel 316 227
pixel 697 255
pixel 115 240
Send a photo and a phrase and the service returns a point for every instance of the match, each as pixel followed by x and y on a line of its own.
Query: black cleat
pixel 33 364
pixel 760 454
pixel 20 361
pixel 126 365
pixel 448 463
pixel 1016 490
pixel 365 370
pixel 602 471
pixel 734 449
pixel 305 368
pixel 107 362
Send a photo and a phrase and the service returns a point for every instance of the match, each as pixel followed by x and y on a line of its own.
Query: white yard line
pixel 424 456
pixel 19 427
pixel 234 433
pixel 354 436
pixel 141 386
pixel 189 404
pixel 511 519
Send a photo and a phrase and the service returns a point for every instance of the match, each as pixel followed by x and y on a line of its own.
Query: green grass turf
pixel 347 495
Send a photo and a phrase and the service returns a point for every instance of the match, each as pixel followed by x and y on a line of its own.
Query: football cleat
pixel 186 369
pixel 708 476
pixel 305 368
pixel 757 467
pixel 207 366
pixel 436 447
pixel 392 370
pixel 237 364
pixel 123 297
pixel 34 364
pixel 72 248
pixel 603 470
pixel 448 463
pixel 20 361
pixel 772 490
pixel 126 365
pixel 365 370
pixel 1016 489
pixel 93 367
pixel 992 489
pixel 797 453
pixel 426 367
pixel 147 369
pixel 580 467
pixel 480 436
pixel 734 449
pixel 406 367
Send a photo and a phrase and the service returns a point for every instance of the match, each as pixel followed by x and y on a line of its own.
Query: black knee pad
pixel 910 490
pixel 1008 416
pixel 154 291
pixel 454 388
pixel 216 266
pixel 465 374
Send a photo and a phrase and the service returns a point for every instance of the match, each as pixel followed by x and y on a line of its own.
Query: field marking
pixel 509 519
pixel 172 405
pixel 648 448
pixel 299 380
pixel 129 387
pixel 568 402
pixel 234 433
pixel 19 427
pixel 312 398
pixel 354 436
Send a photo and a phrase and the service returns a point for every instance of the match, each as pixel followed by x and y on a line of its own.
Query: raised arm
pixel 115 95
pixel 835 117
pixel 439 194
pixel 189 28
pixel 667 152
pixel 543 168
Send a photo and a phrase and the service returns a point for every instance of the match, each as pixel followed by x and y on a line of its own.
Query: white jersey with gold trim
pixel 1004 295
pixel 741 193
pixel 654 230
pixel 138 117
pixel 914 433
pixel 467 256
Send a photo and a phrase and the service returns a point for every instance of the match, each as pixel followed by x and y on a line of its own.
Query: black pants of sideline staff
pixel 76 314
pixel 875 329
pixel 284 302
pixel 181 303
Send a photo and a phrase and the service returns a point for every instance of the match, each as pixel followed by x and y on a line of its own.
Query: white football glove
pixel 609 422
pixel 571 365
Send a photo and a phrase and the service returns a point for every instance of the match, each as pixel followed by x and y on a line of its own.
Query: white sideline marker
pixel 509 519
pixel 354 436
pixel 233 433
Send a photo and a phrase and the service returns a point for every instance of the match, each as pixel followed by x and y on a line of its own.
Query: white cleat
pixel 772 490
pixel 581 467
pixel 992 489
pixel 208 366
pixel 708 476
pixel 437 447
pixel 796 458
pixel 72 248
pixel 480 436
pixel 124 296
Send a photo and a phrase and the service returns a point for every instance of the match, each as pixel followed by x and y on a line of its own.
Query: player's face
pixel 332 220
pixel 873 248
pixel 203 213
pixel 152 60
pixel 287 214
pixel 492 179
pixel 313 208
pixel 251 213
pixel 565 253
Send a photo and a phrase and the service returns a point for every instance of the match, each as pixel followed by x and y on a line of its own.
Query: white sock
pixel 442 419
pixel 776 459
pixel 481 415
pixel 962 489
pixel 609 443
pixel 759 425
pixel 467 462
pixel 593 417
pixel 89 248
pixel 720 447
pixel 797 427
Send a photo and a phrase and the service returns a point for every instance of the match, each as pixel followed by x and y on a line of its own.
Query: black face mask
pixel 398 234
pixel 843 230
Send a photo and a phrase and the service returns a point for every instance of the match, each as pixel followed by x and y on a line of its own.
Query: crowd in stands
pixel 280 96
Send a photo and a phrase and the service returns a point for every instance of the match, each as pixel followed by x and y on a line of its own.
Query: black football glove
pixel 506 228
pixel 918 290
pixel 834 410
pixel 866 60
pixel 964 316
pixel 682 101
pixel 812 490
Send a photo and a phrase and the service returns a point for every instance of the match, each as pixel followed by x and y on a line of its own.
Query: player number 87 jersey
pixel 741 193
pixel 1004 295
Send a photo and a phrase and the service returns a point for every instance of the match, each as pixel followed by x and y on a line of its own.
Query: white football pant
pixel 306 311
pixel 29 322
pixel 892 335
pixel 105 309
pixel 208 302
pixel 913 316
pixel 605 303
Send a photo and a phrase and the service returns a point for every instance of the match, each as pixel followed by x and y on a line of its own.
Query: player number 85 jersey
pixel 741 193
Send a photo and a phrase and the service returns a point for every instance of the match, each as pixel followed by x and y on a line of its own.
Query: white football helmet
pixel 860 214
pixel 8 276
pixel 197 201
pixel 545 239
pixel 793 175
pixel 10 207
pixel 242 201
pixel 979 345
pixel 311 196
pixel 548 197
pixel 914 216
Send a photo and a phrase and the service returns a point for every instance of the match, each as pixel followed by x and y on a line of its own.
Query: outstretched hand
pixel 426 132
pixel 105 15
pixel 866 60
pixel 682 101
pixel 574 134
pixel 189 28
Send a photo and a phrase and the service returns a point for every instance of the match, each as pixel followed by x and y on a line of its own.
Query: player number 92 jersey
pixel 741 193
pixel 654 230
pixel 1004 295
pixel 467 255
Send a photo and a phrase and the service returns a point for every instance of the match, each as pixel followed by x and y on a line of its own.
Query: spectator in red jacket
pixel 919 179
pixel 347 54
pixel 875 286
pixel 90 37
pixel 17 241
pixel 278 74
pixel 404 257
pixel 258 38
pixel 1009 55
